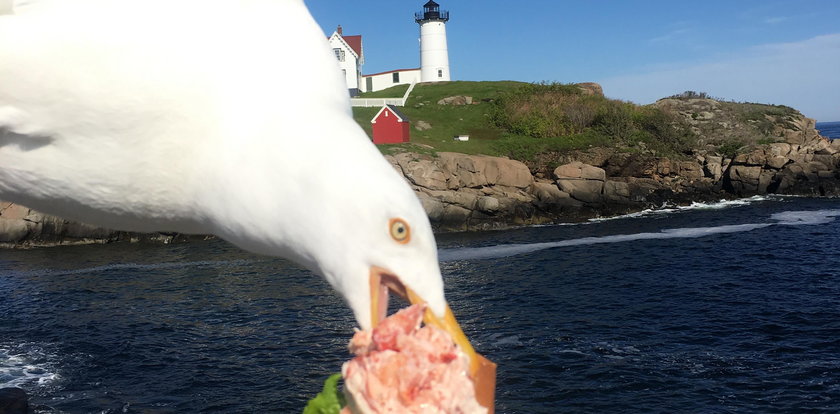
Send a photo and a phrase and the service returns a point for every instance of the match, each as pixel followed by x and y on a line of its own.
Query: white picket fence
pixel 374 102
pixel 371 102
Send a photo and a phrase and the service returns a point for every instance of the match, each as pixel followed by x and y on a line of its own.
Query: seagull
pixel 210 117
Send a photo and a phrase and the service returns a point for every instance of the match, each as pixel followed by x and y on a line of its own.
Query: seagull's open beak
pixel 482 370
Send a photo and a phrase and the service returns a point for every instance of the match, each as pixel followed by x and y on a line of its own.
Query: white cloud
pixel 804 75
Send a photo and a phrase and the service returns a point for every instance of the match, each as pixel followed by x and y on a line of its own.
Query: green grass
pixel 527 148
pixel 486 135
pixel 448 121
pixel 392 92
pixel 363 117
pixel 430 93
pixel 579 122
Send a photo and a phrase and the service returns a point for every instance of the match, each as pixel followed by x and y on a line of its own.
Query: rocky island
pixel 464 192
pixel 585 156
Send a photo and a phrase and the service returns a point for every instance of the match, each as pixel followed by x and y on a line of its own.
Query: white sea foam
pixel 787 218
pixel 669 209
pixel 799 218
pixel 718 205
pixel 25 365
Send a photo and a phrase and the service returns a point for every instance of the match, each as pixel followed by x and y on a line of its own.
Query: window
pixel 440 73
pixel 344 73
pixel 396 77
pixel 339 54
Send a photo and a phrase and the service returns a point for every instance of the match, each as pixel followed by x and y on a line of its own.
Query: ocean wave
pixel 786 218
pixel 670 209
pixel 26 365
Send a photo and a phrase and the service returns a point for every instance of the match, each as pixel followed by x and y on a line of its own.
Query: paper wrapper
pixel 485 384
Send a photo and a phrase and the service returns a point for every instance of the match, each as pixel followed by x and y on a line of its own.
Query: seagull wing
pixel 19 6
pixel 89 89
pixel 115 112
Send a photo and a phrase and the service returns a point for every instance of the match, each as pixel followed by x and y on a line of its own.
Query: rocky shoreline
pixel 474 192
pixel 469 192
pixel 22 227
pixel 787 156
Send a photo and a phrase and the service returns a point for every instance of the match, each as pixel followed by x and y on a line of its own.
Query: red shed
pixel 390 126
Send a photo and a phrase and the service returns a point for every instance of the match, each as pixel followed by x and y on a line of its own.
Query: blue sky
pixel 780 52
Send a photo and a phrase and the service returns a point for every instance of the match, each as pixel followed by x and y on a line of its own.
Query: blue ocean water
pixel 724 307
pixel 829 129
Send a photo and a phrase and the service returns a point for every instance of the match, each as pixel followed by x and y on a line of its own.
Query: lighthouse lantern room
pixel 434 56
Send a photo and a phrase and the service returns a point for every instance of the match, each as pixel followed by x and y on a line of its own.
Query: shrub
pixel 545 110
pixel 567 118
pixel 730 148
pixel 691 95
pixel 664 127
pixel 615 119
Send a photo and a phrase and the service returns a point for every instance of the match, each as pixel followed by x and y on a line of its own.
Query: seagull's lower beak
pixel 482 370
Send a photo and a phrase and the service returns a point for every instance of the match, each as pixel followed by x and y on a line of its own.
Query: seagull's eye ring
pixel 400 231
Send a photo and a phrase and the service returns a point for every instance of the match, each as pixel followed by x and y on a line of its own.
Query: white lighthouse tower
pixel 434 56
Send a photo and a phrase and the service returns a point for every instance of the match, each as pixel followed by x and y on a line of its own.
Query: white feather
pixel 224 117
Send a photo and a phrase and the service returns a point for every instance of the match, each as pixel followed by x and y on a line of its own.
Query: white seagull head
pixel 220 117
pixel 213 116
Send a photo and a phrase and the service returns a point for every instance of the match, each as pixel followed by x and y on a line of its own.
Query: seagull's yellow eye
pixel 400 231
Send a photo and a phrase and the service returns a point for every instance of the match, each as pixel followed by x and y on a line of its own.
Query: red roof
pixel 355 43
pixel 400 116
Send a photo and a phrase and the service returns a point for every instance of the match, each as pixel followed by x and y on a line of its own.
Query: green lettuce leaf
pixel 328 401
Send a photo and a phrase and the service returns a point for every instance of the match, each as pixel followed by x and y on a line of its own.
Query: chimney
pixel 340 31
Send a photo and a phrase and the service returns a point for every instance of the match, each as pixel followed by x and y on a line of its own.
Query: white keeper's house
pixel 434 55
pixel 384 80
pixel 348 50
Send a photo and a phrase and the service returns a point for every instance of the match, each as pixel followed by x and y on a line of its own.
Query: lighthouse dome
pixel 431 12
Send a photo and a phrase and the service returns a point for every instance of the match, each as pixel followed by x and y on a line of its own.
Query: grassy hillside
pixel 526 121
pixel 394 92
pixel 446 120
